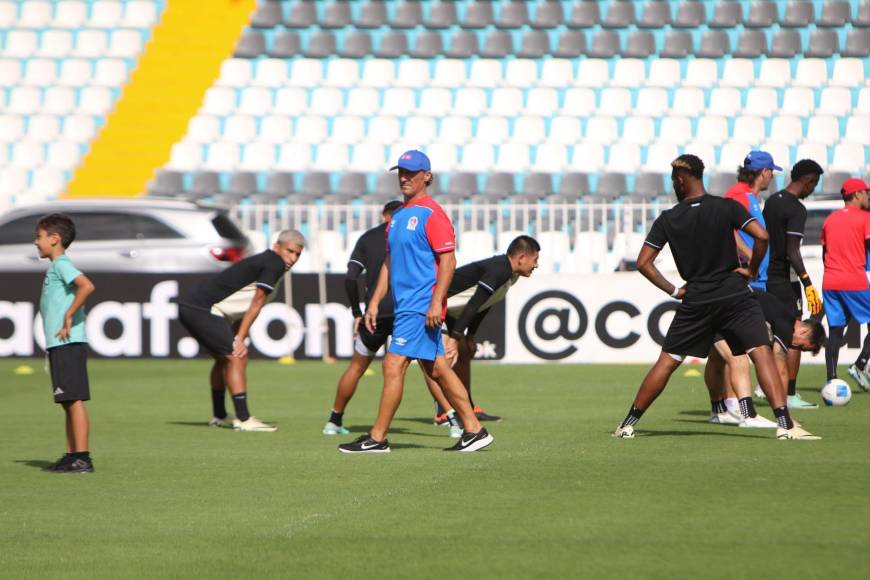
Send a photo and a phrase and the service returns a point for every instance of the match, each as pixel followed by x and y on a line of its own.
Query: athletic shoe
pixel 440 419
pixel 796 402
pixel 758 422
pixel 455 431
pixel 796 433
pixel 75 466
pixel 860 377
pixel 253 425
pixel 226 422
pixel 759 394
pixel 724 419
pixel 484 416
pixel 365 444
pixel 472 441
pixel 626 432
pixel 333 429
pixel 66 458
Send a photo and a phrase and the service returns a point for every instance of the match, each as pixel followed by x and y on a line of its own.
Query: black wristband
pixel 805 280
pixel 455 334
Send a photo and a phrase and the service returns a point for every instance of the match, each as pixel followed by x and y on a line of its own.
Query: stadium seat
pixel 675 130
pixel 761 15
pixel 702 73
pixel 463 44
pixel 639 44
pixel 748 129
pixel 823 129
pixel 257 156
pixel 811 72
pixel 678 44
pixel 56 43
pixel 235 73
pixel 638 130
pixel 70 14
pixel 655 15
pixel 823 44
pixel 725 102
pixel 571 44
pixel 535 44
pixel 521 73
pixel 342 73
pixel 862 18
pixel 593 73
pixel 512 15
pixel 857 129
pixel 786 130
pixel 358 44
pixel 485 73
pixel 565 131
pixel 774 72
pixel 652 102
pixel 267 15
pixel 449 73
pixel 495 131
pixel 222 156
pixel 836 101
pixel 255 101
pixel 798 15
pixel 394 44
pixel 326 102
pixel 689 101
pixel 605 44
pixel 285 45
pixel 378 73
pixel 786 44
pixel 798 101
pixel 105 14
pixel 761 102
pixel 552 158
pixel 110 73
pixel 347 130
pixel 658 159
pixel 294 157
pixel 321 44
pixel 442 15
pixel 714 44
pixel 629 72
pixel 712 130
pixel 849 157
pixel 556 73
pixel 538 184
pixel 548 15
pixel 738 72
pixel 834 14
pixel 587 157
pixel 857 44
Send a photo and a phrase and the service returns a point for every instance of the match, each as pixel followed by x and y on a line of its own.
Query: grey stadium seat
pixel 336 15
pixel 477 15
pixel 863 17
pixel 605 44
pixel 751 44
pixel 714 44
pixel 574 184
pixel 268 15
pixel 548 15
pixel 242 183
pixel 761 15
pixel 388 184
pixel 611 185
pixel 823 44
pixel 251 45
pixel 832 181
pixel 857 43
pixel 463 44
pixel 407 15
pixel 357 44
pixel 619 15
pixel 499 44
pixel 352 184
pixel 690 15
pixel 302 15
pixel 513 15
pixel 441 15
pixel 798 15
pixel 719 183
pixel 500 183
pixel 286 44
pixel 678 44
pixel 166 182
pixel 639 44
pixel 655 15
pixel 279 183
pixel 572 43
pixel 205 183
pixel 536 43
pixel 649 185
pixel 316 183
pixel 540 184
pixel 462 183
pixel 321 44
pixel 428 44
pixel 584 15
pixel 835 14
pixel 786 44
pixel 372 15
pixel 726 15
pixel 393 45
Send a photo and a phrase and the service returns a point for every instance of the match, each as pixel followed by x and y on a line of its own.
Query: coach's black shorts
pixel 214 333
pixel 69 372
pixel 789 293
pixel 738 319
pixel 373 341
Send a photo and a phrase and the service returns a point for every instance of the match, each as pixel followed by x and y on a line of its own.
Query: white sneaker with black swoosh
pixel 472 441
pixel 365 444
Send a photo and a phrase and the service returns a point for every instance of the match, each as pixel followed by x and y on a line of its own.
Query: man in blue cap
pixel 417 270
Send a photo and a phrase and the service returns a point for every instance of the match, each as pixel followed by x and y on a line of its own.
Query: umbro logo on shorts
pixel 401 341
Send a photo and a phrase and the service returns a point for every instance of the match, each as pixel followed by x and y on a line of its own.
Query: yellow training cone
pixel 286 360
pixel 692 373
pixel 23 370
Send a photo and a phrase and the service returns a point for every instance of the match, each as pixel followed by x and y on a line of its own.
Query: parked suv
pixel 129 236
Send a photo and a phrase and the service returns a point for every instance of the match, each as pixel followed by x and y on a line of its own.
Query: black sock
pixel 861 363
pixel 792 387
pixel 633 417
pixel 86 455
pixel 240 402
pixel 719 406
pixel 832 350
pixel 783 419
pixel 438 410
pixel 335 417
pixel 747 408
pixel 219 409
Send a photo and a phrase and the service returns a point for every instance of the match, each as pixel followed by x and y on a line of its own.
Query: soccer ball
pixel 836 393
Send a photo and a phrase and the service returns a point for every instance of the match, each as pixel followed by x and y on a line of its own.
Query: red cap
pixel 854 184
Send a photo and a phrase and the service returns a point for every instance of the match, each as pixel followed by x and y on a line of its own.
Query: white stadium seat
pixel 312 130
pixel 863 107
pixel 91 44
pixel 579 102
pixel 527 130
pixel 110 72
pixel 485 73
pixel 79 128
pixel 11 128
pixel 652 102
pixel 331 156
pixel 363 102
pixel 70 14
pixel 836 101
pixel 586 158
pixel 624 158
pixel 48 181
pixel 454 130
pixel 326 101
pixel 543 102
pixel 592 72
pixel 551 158
pixel 659 156
pixel 235 72
pixel 556 73
pixel 222 156
pixel 676 130
pixel 565 131
pixel 140 14
pixel 255 101
pixel 850 157
pixel 477 157
pixel 811 72
pixel 701 73
pixel 21 43
pixel 367 157
pixel 512 157
pixel 738 72
pixel 590 250
pixel 848 72
pixel 688 101
pixel 638 130
pixel 615 102
pixel 40 72
pixel 294 157
pixel 857 129
pixel 23 100
pixel 761 102
pixel 56 43
pixel 257 156
pixel 521 73
pixel 43 128
pixel 95 101
pixel 59 100
pixel 28 154
pixel 185 156
pixel 13 180
pixel 385 130
pixel 105 14
pixel 306 73
pixel 75 72
pixel 476 245
pixel 449 73
pixel 270 72
pixel 219 101
pixel 823 129
pixel 798 102
pixel 378 73
pixel 240 129
pixel 10 72
pixel 34 14
pixel 413 73
pixel 125 43
pixel 445 155
pixel 775 73
pixel 8 14
pixel 601 130
pixel 664 73
pixel 400 102
pixel 506 102
pixel 290 101
pixel 724 101
pixel 494 130
pixel 780 154
pixel 470 102
pixel 786 130
pixel 705 151
pixel 421 130
pixel 732 155
pixel 342 73
pixel 275 129
pixel 434 102
pixel 749 129
pixel 555 247
pixel 629 73
pixel 347 130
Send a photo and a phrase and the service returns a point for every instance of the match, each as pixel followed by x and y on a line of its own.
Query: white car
pixel 148 235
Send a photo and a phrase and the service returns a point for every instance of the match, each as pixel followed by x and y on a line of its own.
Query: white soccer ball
pixel 836 393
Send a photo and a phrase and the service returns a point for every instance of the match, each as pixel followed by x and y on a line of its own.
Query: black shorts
pixel 739 320
pixel 373 341
pixel 789 293
pixel 69 372
pixel 214 333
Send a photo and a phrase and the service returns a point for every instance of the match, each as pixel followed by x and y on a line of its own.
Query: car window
pixel 813 228
pixel 104 226
pixel 226 228
pixel 19 231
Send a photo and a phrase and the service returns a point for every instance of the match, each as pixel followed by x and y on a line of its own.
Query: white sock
pixel 733 406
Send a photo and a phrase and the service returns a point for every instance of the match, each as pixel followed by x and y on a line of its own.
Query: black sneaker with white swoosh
pixel 472 441
pixel 365 444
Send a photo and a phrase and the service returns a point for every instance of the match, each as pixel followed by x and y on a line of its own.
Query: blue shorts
pixel 841 306
pixel 412 339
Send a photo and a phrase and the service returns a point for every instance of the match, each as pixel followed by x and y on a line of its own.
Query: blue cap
pixel 757 160
pixel 413 160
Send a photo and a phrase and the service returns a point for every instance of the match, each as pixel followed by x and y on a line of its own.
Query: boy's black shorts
pixel 214 333
pixel 68 365
pixel 739 320
pixel 789 293
pixel 374 341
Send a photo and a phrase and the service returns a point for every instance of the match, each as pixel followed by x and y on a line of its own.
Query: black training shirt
pixel 491 276
pixel 368 255
pixel 700 232
pixel 265 269
pixel 779 318
pixel 784 215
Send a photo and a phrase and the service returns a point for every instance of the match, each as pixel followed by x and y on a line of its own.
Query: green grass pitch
pixel 554 497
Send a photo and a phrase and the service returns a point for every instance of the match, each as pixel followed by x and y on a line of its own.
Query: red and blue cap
pixel 413 160
pixel 757 160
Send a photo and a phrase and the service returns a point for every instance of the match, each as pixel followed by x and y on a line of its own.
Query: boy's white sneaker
pixel 253 424
pixel 226 422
